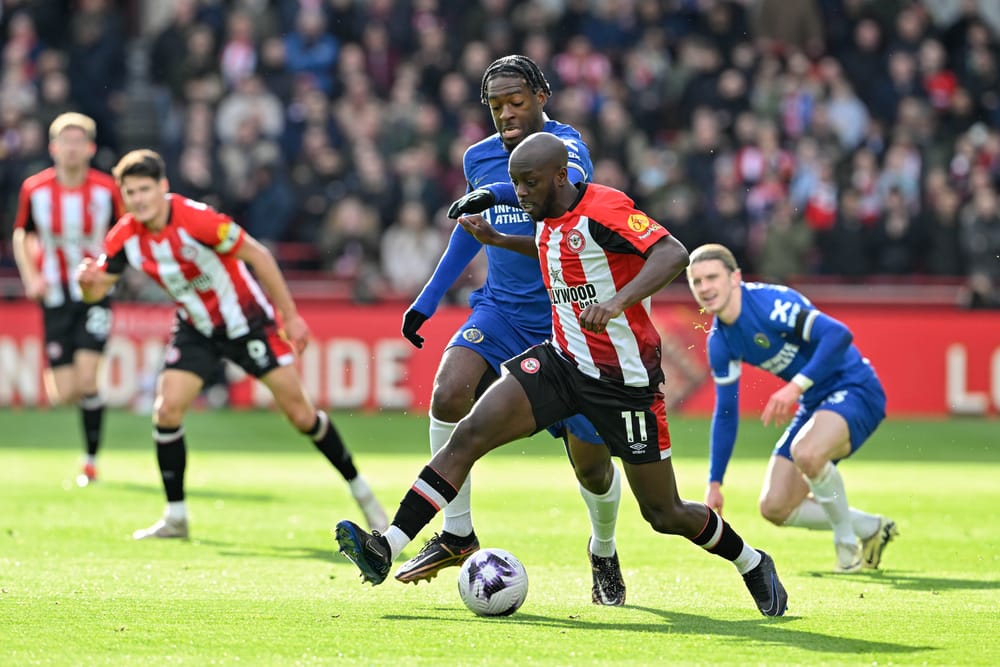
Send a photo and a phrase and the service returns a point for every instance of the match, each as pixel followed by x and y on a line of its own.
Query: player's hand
pixel 88 274
pixel 297 332
pixel 36 287
pixel 481 230
pixel 713 497
pixel 471 203
pixel 782 405
pixel 596 316
pixel 412 321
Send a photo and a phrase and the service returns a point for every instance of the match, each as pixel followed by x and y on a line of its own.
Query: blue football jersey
pixel 514 281
pixel 775 333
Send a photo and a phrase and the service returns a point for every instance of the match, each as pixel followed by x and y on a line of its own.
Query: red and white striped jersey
pixel 194 259
pixel 587 255
pixel 70 224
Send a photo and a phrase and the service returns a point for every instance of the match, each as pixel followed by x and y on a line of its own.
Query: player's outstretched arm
pixel 487 234
pixel 269 275
pixel 94 281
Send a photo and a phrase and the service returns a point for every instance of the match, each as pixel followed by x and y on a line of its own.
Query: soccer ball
pixel 493 582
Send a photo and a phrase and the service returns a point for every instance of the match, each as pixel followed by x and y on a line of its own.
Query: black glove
pixel 412 321
pixel 476 201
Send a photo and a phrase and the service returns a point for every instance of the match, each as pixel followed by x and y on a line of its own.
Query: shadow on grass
pixel 912 582
pixel 210 494
pixel 758 629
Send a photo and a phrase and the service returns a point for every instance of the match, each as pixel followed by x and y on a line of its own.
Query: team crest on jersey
pixel 473 335
pixel 530 365
pixel 575 241
pixel 761 340
pixel 173 355
pixel 54 350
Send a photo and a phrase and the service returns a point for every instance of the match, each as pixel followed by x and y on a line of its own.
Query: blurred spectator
pixel 786 250
pixel 349 246
pixel 410 248
pixel 310 50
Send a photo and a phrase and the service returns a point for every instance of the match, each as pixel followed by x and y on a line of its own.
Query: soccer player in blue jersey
pixel 510 313
pixel 832 402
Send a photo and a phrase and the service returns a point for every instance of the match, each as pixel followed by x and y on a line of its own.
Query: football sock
pixel 809 514
pixel 397 540
pixel 458 513
pixel 92 413
pixel 171 454
pixel 828 490
pixel 603 511
pixel 429 493
pixel 327 440
pixel 359 488
pixel 719 538
pixel 176 510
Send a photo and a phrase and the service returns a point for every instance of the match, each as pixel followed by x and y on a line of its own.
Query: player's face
pixel 713 284
pixel 516 111
pixel 72 148
pixel 535 189
pixel 145 198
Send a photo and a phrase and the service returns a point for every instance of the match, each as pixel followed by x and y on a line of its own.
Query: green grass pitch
pixel 259 582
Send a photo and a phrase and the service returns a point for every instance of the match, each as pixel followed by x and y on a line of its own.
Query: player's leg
pixel 655 489
pixel 86 364
pixel 462 376
pixel 600 486
pixel 823 439
pixel 504 414
pixel 176 389
pixel 290 396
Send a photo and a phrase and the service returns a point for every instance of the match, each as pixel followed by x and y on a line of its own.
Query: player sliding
pixel 200 257
pixel 601 261
pixel 833 397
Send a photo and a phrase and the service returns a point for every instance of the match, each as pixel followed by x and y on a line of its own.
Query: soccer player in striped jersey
pixel 832 401
pixel 601 261
pixel 62 216
pixel 510 313
pixel 200 257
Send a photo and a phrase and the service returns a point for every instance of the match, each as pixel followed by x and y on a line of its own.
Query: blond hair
pixel 73 119
pixel 713 251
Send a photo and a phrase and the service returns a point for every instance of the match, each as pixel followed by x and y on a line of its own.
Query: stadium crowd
pixel 840 138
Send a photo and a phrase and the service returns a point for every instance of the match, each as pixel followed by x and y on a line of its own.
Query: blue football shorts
pixel 861 405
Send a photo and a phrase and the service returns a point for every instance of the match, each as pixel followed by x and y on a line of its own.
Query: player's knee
pixel 167 414
pixel 595 477
pixel 451 401
pixel 808 460
pixel 302 417
pixel 772 511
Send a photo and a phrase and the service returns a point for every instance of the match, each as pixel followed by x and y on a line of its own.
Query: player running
pixel 833 397
pixel 601 260
pixel 200 257
pixel 62 216
pixel 510 313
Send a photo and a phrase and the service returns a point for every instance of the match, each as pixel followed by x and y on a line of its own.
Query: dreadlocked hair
pixel 516 65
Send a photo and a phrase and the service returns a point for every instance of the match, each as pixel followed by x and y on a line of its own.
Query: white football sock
pixel 457 513
pixel 397 540
pixel 828 490
pixel 809 514
pixel 176 510
pixel 360 489
pixel 603 511
pixel 748 559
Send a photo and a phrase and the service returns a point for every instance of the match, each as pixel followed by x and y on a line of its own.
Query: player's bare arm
pixel 25 249
pixel 266 269
pixel 664 262
pixel 94 281
pixel 487 234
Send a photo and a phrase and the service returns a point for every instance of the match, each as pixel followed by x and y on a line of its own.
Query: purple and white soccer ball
pixel 493 582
